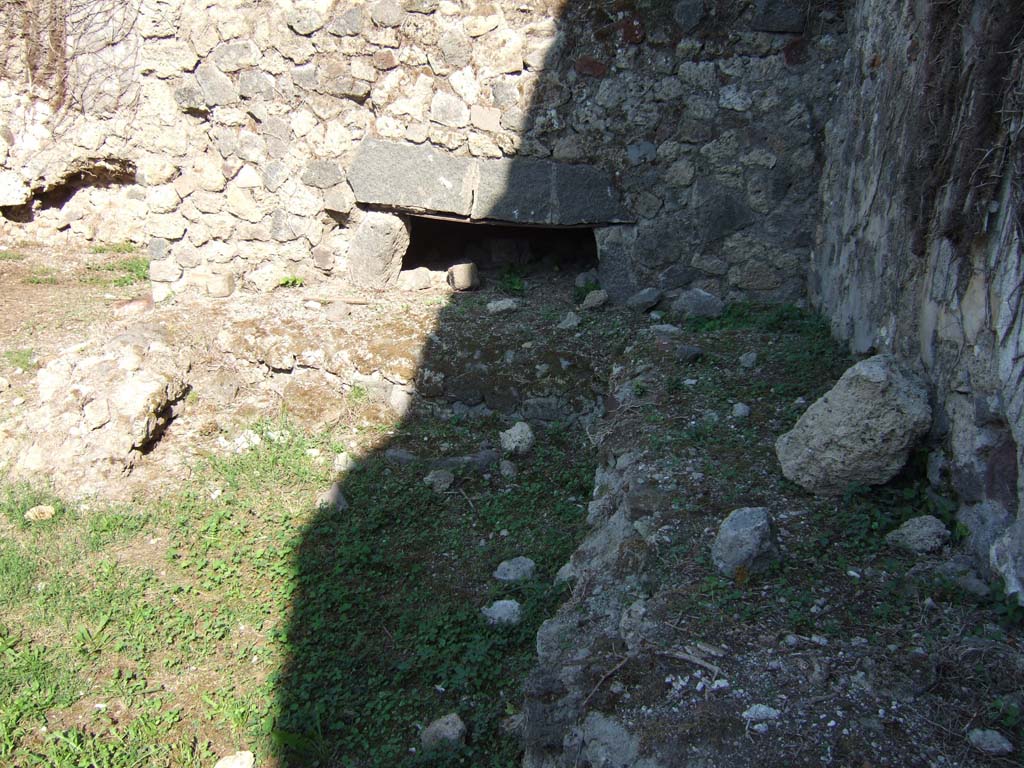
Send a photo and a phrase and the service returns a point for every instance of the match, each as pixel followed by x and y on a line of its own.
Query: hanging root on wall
pixel 77 56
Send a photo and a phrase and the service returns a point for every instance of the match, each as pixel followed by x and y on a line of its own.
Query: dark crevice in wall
pixel 440 243
pixel 102 175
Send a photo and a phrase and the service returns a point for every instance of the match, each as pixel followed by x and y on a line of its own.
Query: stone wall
pixel 242 119
pixel 919 246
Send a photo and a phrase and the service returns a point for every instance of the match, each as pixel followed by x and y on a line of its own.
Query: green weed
pixel 20 358
pixel 126 271
pixel 580 292
pixel 41 277
pixel 511 282
pixel 291 281
pixel 358 394
pixel 123 247
pixel 349 627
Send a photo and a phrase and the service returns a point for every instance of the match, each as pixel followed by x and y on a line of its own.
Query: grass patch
pixel 11 256
pixel 20 358
pixel 511 282
pixel 123 247
pixel 781 318
pixel 120 273
pixel 323 637
pixel 41 277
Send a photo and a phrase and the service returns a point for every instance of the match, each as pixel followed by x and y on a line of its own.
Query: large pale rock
pixel 375 254
pixel 861 431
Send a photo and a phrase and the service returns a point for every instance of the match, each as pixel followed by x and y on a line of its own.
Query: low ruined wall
pixel 919 250
pixel 241 121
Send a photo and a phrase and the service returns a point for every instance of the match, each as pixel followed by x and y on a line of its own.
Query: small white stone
pixel 990 742
pixel 503 612
pixel 333 499
pixel 502 305
pixel 237 760
pixel 40 512
pixel 518 440
pixel 756 713
pixel 595 299
pixel 740 411
pixel 447 731
pixel 440 480
pixel 571 320
pixel 517 569
pixel 343 462
pixel 246 440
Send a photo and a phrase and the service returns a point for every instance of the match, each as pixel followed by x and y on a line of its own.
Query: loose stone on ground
pixel 445 732
pixel 745 541
pixel 861 431
pixel 920 535
pixel 518 439
pixel 517 569
pixel 503 612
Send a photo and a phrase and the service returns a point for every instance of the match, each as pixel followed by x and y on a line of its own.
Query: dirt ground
pixel 862 662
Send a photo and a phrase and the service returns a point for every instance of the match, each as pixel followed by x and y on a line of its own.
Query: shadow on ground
pixel 385 632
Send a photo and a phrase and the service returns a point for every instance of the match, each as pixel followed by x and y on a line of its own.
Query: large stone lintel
pixel 412 178
pixel 422 179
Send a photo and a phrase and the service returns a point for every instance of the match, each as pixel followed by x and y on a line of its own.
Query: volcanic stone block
pixel 779 16
pixel 422 178
pixel 217 87
pixel 616 250
pixel 515 190
pixel 586 195
pixel 417 178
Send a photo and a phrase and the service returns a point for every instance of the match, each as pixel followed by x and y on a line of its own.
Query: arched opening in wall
pixel 101 177
pixel 82 203
pixel 499 249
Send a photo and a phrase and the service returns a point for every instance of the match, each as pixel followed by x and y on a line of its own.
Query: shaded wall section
pixel 918 251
